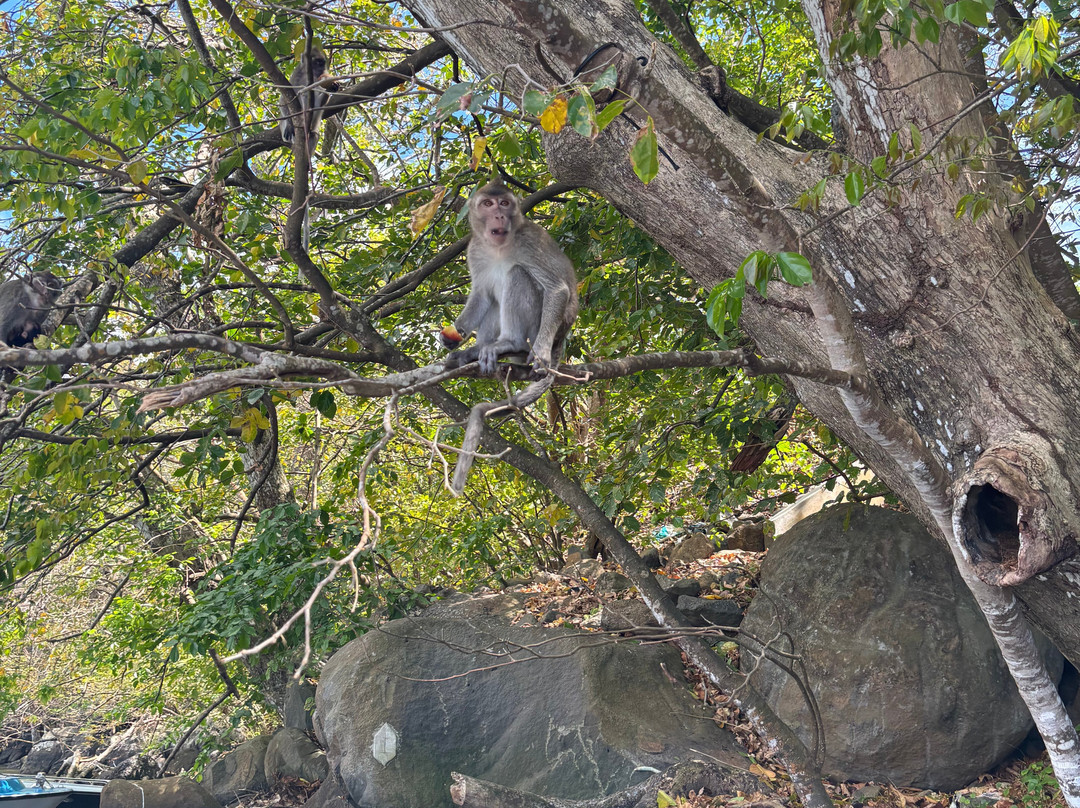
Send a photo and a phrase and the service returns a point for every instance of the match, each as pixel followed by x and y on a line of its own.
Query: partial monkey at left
pixel 24 305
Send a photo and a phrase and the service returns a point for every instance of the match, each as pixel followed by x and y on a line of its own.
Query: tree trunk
pixel 959 336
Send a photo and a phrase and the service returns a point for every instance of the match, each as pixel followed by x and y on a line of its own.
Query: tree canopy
pixel 226 432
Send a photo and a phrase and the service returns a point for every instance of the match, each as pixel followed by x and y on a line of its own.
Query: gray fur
pixel 523 298
pixel 312 97
pixel 24 305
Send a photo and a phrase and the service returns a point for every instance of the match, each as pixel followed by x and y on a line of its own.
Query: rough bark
pixel 960 338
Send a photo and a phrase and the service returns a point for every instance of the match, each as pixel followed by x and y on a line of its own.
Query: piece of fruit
pixel 451 335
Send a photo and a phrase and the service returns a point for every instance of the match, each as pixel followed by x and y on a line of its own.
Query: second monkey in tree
pixel 309 80
pixel 524 290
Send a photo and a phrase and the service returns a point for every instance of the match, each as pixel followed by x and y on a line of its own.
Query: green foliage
pixel 150 519
pixel 1035 787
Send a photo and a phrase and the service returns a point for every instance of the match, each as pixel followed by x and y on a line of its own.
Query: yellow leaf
pixel 425 213
pixel 663 800
pixel 477 152
pixel 761 771
pixel 554 117
pixel 138 171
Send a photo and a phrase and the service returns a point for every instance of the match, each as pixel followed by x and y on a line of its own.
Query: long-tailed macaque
pixel 524 290
pixel 24 305
pixel 308 79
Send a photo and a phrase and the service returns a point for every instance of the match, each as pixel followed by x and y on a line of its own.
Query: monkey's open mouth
pixel 499 231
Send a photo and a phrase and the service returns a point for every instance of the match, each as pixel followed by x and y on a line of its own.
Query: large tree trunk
pixel 959 336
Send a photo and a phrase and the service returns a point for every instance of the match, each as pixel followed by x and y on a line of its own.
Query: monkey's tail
pixel 474 428
pixel 305 229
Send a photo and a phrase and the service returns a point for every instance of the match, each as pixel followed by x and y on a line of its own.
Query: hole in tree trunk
pixel 993 515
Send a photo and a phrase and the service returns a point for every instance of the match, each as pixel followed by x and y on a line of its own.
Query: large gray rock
pixel 44 756
pixel 296 711
pixel 241 772
pixel 172 792
pixel 331 794
pixel 572 717
pixel 910 686
pixel 292 753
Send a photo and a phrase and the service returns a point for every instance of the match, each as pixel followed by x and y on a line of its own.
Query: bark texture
pixel 959 336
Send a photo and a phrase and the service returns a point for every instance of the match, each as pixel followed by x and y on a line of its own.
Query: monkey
pixel 309 82
pixel 24 304
pixel 523 296
pixel 523 299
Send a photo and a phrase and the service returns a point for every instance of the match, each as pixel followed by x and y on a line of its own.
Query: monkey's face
pixel 493 218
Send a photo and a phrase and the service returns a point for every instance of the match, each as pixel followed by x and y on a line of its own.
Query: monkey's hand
pixel 451 337
pixel 488 358
pixel 540 361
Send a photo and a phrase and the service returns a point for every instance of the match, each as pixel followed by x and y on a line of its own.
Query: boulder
pixel 296 711
pixel 242 771
pixel 291 753
pixel 909 683
pixel 44 756
pixel 748 536
pixel 612 583
pixel 626 616
pixel 542 710
pixel 172 792
pixel 710 611
pixel 15 744
pixel 693 548
pixel 331 794
pixel 588 569
pixel 677 587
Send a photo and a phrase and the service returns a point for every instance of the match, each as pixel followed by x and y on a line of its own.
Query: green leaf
pixel 894 146
pixel 854 187
pixel 970 11
pixel 507 145
pixel 582 115
pixel 451 98
pixel 880 165
pixel 607 81
pixel 609 113
pixel 233 161
pixel 927 30
pixel 644 154
pixel 794 268
pixel 138 171
pixel 916 138
pixel 536 102
pixel 323 401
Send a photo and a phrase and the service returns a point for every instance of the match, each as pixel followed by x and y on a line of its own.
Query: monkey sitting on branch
pixel 523 298
pixel 309 80
pixel 24 305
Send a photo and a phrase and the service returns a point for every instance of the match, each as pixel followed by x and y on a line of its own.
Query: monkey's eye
pixel 504 202
pixel 487 203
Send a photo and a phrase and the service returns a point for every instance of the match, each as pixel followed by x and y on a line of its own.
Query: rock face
pixel 240 772
pixel 45 756
pixel 295 711
pixel 910 686
pixel 172 792
pixel 292 753
pixel 401 707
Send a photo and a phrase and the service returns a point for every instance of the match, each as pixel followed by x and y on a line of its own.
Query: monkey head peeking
pixel 24 305
pixel 523 298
